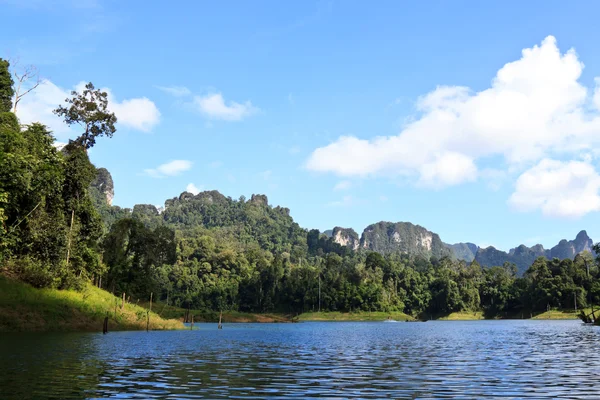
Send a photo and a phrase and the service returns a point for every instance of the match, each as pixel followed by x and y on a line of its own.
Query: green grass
pixel 354 316
pixel 563 314
pixel 463 316
pixel 25 308
pixel 213 316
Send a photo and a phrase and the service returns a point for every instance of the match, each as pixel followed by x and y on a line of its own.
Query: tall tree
pixel 90 110
pixel 6 87
pixel 28 78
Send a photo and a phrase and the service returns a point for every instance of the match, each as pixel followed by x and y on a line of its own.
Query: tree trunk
pixel 69 237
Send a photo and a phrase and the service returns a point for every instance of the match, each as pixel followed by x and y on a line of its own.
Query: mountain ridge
pixel 383 237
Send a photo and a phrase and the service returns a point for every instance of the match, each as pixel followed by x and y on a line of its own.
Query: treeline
pixel 246 255
pixel 209 251
pixel 49 229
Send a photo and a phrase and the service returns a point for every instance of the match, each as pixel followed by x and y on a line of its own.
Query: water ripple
pixel 480 359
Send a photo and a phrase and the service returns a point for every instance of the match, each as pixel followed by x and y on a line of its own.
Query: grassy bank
pixel 562 314
pixel 354 316
pixel 463 316
pixel 24 308
pixel 213 316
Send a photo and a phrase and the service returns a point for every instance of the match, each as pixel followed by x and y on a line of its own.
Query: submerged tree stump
pixel 105 325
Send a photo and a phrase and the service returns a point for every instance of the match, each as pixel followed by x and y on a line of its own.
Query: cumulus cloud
pixel 214 106
pixel 140 114
pixel 535 107
pixel 137 113
pixel 177 91
pixel 448 169
pixel 558 188
pixel 172 168
pixel 193 189
pixel 38 104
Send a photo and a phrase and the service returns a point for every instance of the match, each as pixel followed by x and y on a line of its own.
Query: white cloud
pixel 214 106
pixel 177 91
pixel 448 169
pixel 172 168
pixel 343 185
pixel 193 189
pixel 37 106
pixel 534 108
pixel 558 188
pixel 383 198
pixel 138 113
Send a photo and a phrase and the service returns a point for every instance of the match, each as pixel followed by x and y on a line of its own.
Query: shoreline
pixel 24 308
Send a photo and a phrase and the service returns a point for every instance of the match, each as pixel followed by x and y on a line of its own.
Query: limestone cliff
pixel 403 237
pixel 346 237
pixel 103 183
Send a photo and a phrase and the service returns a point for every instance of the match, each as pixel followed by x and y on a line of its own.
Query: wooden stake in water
pixel 220 319
pixel 148 314
pixel 192 325
pixel 105 325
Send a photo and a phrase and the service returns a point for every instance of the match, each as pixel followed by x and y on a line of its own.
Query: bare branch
pixel 23 76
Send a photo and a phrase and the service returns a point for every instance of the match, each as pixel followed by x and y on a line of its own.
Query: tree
pixel 6 87
pixel 90 110
pixel 24 75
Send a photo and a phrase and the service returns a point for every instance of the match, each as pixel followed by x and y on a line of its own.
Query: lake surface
pixel 478 359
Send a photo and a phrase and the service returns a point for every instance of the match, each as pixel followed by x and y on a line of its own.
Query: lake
pixel 436 359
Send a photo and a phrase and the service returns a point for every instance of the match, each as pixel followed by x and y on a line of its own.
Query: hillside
pixel 25 308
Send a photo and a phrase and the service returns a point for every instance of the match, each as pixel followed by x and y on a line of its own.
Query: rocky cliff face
pixel 346 237
pixel 104 184
pixel 403 237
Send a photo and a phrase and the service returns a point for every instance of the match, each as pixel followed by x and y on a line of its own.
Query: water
pixel 479 359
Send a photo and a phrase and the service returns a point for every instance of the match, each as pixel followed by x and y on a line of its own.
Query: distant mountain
pixel 274 229
pixel 404 237
pixel 523 256
pixel 463 251
pixel 388 237
pixel 569 249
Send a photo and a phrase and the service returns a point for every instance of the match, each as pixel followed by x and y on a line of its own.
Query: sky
pixel 477 120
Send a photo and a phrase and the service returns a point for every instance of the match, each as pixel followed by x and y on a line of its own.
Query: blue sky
pixel 473 119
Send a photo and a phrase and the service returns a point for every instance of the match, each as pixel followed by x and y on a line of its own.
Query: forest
pixel 212 252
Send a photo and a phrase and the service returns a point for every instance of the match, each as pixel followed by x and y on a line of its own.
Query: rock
pixel 346 237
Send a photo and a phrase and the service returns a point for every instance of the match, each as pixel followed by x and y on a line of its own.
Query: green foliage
pixel 90 110
pixel 24 308
pixel 403 237
pixel 50 228
pixel 6 87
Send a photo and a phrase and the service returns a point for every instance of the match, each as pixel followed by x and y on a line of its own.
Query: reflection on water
pixel 510 359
